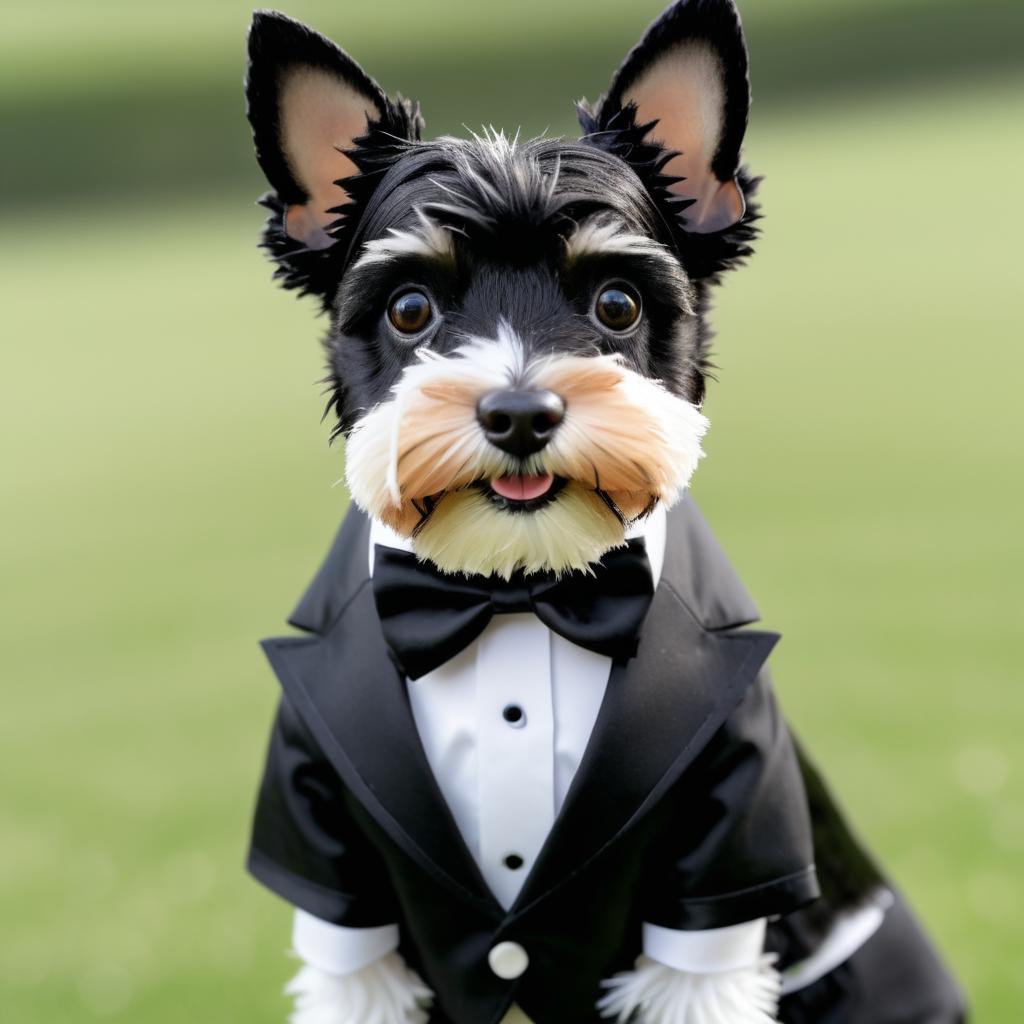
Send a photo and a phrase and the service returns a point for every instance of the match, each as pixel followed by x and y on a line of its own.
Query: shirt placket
pixel 516 749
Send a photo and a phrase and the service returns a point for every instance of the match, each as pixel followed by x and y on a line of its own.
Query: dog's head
pixel 517 348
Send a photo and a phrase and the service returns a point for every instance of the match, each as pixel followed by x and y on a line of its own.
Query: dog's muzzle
pixel 495 459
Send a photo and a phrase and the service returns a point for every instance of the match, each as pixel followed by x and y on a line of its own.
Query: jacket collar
pixel 690 672
pixel 343 572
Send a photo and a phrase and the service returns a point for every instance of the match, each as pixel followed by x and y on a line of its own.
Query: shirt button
pixel 514 715
pixel 514 862
pixel 508 960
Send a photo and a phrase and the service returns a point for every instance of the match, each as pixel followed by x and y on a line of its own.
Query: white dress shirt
pixel 504 725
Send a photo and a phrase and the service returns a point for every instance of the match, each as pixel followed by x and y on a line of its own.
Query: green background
pixel 167 486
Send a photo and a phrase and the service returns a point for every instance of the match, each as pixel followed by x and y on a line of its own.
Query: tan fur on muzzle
pixel 625 443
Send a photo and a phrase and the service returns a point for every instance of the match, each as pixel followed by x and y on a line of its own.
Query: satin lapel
pixel 658 713
pixel 354 701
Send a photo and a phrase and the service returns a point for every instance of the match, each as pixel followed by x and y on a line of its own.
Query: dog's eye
pixel 410 312
pixel 617 308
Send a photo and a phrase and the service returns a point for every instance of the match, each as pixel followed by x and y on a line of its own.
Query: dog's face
pixel 517 350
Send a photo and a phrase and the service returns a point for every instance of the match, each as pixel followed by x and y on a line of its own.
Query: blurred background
pixel 167 488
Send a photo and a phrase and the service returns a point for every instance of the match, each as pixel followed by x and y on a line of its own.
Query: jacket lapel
pixel 661 708
pixel 353 699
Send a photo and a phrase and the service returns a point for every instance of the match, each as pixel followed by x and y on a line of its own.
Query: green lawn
pixel 168 492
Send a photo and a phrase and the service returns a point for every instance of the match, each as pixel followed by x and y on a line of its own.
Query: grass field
pixel 168 492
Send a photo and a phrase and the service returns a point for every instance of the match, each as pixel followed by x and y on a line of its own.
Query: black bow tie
pixel 429 616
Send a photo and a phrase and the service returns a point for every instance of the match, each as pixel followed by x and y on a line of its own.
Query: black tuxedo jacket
pixel 689 808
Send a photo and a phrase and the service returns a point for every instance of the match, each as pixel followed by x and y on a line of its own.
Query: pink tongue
pixel 522 488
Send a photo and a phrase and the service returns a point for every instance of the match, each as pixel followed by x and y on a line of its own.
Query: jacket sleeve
pixel 740 848
pixel 306 847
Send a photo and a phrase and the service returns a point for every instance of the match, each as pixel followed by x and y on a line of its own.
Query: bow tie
pixel 429 616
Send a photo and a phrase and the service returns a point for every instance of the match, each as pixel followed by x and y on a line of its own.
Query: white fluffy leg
pixel 384 992
pixel 663 995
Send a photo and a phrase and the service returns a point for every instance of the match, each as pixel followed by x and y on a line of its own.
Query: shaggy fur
pixel 663 995
pixel 384 992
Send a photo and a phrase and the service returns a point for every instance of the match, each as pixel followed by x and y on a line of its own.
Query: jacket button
pixel 508 960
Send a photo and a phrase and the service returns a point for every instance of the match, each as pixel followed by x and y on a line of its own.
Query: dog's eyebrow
pixel 429 241
pixel 610 237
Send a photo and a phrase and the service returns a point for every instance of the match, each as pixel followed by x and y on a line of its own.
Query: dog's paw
pixel 384 992
pixel 655 994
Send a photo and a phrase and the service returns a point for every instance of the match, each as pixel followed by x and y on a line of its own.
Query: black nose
pixel 520 422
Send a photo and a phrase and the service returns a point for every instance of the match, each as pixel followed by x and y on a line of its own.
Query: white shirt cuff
pixel 709 951
pixel 339 950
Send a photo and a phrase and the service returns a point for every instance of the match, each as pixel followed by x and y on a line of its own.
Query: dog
pixel 527 763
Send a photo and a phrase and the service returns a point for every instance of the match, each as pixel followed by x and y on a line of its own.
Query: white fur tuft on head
pixel 430 241
pixel 418 460
pixel 608 236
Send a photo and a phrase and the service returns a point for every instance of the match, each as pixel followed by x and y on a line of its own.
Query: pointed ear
pixel 685 84
pixel 308 103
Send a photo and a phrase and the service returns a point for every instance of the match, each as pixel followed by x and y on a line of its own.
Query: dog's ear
pixel 683 90
pixel 311 107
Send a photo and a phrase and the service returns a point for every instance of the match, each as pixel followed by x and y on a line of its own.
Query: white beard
pixel 468 533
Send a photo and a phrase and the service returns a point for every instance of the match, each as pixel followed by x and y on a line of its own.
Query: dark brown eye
pixel 410 312
pixel 617 308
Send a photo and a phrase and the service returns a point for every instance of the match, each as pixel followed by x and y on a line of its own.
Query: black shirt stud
pixel 514 715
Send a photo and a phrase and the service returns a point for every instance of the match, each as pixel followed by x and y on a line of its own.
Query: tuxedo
pixel 692 807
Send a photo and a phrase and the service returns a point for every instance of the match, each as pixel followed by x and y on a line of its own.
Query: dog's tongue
pixel 522 488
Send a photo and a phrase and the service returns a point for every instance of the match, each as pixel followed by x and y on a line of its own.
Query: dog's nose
pixel 520 422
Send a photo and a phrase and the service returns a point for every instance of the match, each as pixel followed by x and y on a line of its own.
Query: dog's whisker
pixel 406 452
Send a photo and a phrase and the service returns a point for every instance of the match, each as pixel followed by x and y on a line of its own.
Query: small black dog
pixel 518 354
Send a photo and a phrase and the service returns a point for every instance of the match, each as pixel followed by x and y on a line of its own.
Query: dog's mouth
pixel 522 487
pixel 522 492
